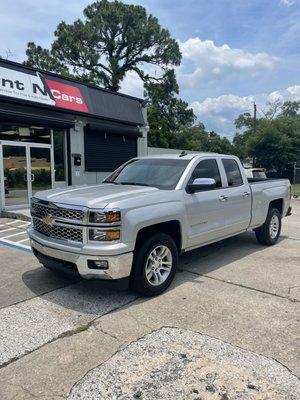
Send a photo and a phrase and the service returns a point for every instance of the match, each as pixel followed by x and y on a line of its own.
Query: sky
pixel 234 52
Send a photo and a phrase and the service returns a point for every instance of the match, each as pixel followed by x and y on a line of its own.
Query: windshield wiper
pixel 133 183
pixel 113 182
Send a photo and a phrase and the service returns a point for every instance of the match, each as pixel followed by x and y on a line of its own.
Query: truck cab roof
pixel 186 156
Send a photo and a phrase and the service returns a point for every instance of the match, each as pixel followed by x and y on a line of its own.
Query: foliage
pixel 15 178
pixel 275 144
pixel 112 39
pixel 167 114
pixel 196 138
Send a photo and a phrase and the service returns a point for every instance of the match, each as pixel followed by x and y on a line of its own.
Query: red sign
pixel 67 96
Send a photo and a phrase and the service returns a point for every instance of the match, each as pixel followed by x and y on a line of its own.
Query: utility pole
pixel 254 128
pixel 254 119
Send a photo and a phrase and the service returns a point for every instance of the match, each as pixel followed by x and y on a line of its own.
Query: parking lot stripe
pixel 14 234
pixel 8 229
pixel 24 225
pixel 13 222
pixel 23 240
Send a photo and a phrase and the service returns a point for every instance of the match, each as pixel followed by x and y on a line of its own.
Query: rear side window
pixel 233 172
pixel 207 169
pixel 259 174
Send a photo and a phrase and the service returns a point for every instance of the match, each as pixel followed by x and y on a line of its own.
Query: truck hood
pixel 97 196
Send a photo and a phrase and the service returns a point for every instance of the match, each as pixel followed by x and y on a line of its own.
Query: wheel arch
pixel 171 228
pixel 278 204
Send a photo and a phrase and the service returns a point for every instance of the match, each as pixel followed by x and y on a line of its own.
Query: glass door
pixel 15 175
pixel 40 169
pixel 24 170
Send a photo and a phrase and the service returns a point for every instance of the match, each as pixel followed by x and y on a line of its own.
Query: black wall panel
pixel 106 152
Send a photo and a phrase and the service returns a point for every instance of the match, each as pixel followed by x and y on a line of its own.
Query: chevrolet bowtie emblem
pixel 48 219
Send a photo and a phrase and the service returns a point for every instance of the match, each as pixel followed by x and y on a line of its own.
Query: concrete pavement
pixel 236 291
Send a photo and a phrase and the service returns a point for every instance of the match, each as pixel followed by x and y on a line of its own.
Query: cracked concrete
pixel 179 364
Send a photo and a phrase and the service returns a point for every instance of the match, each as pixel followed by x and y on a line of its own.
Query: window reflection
pixel 25 133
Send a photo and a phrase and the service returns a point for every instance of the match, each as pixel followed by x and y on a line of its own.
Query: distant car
pixel 6 185
pixel 256 173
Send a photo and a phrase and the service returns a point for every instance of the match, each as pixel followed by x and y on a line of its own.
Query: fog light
pixel 97 264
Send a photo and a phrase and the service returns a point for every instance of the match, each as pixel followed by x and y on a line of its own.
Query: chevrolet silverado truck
pixel 136 223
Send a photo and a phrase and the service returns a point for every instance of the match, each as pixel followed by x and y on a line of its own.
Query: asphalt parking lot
pixel 228 328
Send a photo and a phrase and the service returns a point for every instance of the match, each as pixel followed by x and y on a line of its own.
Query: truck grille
pixel 57 231
pixel 42 210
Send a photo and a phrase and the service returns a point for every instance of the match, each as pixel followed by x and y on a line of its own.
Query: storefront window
pixel 25 133
pixel 59 155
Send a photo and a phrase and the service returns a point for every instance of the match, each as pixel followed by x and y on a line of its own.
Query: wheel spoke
pixel 165 267
pixel 151 257
pixel 155 276
pixel 149 274
pixel 159 276
pixel 164 252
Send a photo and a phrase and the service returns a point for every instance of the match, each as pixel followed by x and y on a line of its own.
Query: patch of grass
pixel 80 328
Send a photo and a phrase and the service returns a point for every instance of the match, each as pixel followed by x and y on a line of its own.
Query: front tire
pixel 154 265
pixel 268 233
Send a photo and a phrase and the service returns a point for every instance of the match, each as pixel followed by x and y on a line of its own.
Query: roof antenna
pixel 183 153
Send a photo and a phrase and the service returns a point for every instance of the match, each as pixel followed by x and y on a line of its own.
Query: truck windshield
pixel 156 172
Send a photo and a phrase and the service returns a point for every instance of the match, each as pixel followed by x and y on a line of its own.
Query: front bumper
pixel 119 266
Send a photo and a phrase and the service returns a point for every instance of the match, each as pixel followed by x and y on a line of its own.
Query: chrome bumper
pixel 119 266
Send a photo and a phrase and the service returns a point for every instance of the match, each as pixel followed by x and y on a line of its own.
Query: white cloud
pixel 287 3
pixel 132 85
pixel 205 63
pixel 222 103
pixel 219 113
pixel 209 59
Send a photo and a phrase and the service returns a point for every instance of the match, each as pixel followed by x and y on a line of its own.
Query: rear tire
pixel 154 264
pixel 268 233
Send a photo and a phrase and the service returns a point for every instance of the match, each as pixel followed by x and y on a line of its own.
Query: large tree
pixel 167 114
pixel 112 39
pixel 275 142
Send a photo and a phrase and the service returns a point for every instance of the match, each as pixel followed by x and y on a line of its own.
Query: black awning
pixel 19 117
pixel 124 130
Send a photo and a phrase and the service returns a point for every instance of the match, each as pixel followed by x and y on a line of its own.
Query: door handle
pixel 223 198
pixel 246 194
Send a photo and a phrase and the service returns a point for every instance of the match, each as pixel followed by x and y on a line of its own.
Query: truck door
pixel 205 211
pixel 237 198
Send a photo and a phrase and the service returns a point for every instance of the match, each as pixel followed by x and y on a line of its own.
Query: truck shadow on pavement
pixel 209 258
pixel 92 293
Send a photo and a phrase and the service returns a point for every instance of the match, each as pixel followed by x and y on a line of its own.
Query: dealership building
pixel 56 132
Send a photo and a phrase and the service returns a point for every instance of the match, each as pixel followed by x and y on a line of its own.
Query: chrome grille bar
pixel 58 231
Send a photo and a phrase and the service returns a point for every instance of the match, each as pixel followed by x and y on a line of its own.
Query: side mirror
pixel 201 184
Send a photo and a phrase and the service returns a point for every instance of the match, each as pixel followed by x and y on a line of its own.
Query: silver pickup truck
pixel 136 223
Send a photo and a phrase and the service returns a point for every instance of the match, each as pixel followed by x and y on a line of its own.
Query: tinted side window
pixel 207 169
pixel 233 172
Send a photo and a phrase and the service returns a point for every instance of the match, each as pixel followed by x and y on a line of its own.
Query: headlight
pixel 100 235
pixel 105 217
